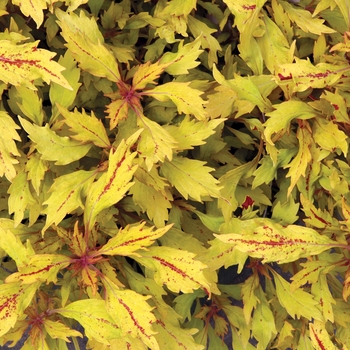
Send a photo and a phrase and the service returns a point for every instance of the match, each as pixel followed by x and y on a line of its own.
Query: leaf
pixel 184 59
pixel 249 298
pixel 111 187
pixel 297 167
pixel 146 74
pixel 156 144
pixel 40 267
pixel 87 128
pixel 281 117
pixel 14 299
pixel 20 198
pixel 22 64
pixel 178 270
pixel 302 75
pixel 8 148
pixel 328 136
pixel 297 303
pixel 66 195
pixel 33 9
pixel 273 242
pixel 57 329
pixel 117 111
pixel 191 178
pixel 132 313
pixel 186 99
pixel 13 246
pixel 53 147
pixel 86 44
pixel 93 316
pixel 304 19
pixel 320 337
pixel 132 238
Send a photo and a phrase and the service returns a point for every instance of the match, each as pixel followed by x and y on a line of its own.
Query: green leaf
pixel 86 44
pixel 14 299
pixel 21 64
pixel 51 146
pixel 297 303
pixel 66 195
pixel 93 316
pixel 275 243
pixel 8 148
pixel 87 128
pixel 178 270
pixel 280 118
pixel 132 238
pixel 191 178
pixel 111 187
pixel 132 313
pixel 186 99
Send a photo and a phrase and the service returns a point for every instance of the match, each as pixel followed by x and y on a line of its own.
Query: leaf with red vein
pixel 23 63
pixel 273 242
pixel 86 43
pixel 320 337
pixel 113 184
pixel 132 238
pixel 93 316
pixel 14 299
pixel 147 73
pixel 131 312
pixel 66 195
pixel 40 267
pixel 178 270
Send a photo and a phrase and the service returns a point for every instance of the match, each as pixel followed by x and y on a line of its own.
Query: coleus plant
pixel 146 146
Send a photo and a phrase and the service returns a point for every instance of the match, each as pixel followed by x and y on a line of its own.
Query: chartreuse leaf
pixel 21 64
pixel 186 99
pixel 33 9
pixel 66 195
pixel 184 58
pixel 319 336
pixel 146 74
pixel 273 242
pixel 12 245
pixel 57 329
pixel 20 198
pixel 131 313
pixel 40 267
pixel 191 178
pixel 51 146
pixel 297 303
pixel 87 128
pixel 132 238
pixel 8 148
pixel 86 44
pixel 279 119
pixel 14 299
pixel 249 298
pixel 155 144
pixel 305 20
pixel 111 187
pixel 178 270
pixel 297 167
pixel 94 317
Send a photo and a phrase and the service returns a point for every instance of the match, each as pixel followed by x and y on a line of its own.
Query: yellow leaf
pixel 131 312
pixel 132 238
pixel 178 270
pixel 191 178
pixel 319 336
pixel 60 149
pixel 57 329
pixel 273 242
pixel 186 99
pixel 87 128
pixel 146 74
pixel 249 298
pixel 14 299
pixel 117 110
pixel 66 195
pixel 93 316
pixel 86 43
pixel 21 64
pixel 32 9
pixel 8 148
pixel 111 187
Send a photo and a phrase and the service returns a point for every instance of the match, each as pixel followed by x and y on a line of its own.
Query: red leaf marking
pixel 171 334
pixel 66 200
pixel 47 268
pixel 282 77
pixel 247 203
pixel 249 7
pixel 319 341
pixel 10 304
pixel 320 219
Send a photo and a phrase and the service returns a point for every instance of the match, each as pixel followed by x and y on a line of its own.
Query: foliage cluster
pixel 146 145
